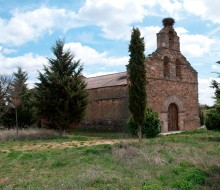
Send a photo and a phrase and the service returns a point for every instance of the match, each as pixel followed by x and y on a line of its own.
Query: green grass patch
pixel 107 134
pixel 189 160
pixel 187 176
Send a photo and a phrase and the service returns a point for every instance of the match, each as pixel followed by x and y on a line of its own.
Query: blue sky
pixel 98 33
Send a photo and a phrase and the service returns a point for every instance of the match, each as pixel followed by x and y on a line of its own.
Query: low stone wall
pixel 104 125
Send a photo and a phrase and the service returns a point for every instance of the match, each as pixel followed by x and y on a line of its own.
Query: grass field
pixel 90 160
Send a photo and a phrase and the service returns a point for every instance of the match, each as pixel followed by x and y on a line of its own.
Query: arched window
pixel 171 39
pixel 166 69
pixel 178 68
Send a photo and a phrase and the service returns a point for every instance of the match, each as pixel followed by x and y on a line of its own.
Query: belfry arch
pixel 166 67
pixel 171 40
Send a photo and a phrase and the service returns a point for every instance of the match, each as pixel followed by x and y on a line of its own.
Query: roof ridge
pixel 106 75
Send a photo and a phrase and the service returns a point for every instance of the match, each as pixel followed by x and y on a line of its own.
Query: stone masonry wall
pixel 182 91
pixel 107 109
pixel 160 91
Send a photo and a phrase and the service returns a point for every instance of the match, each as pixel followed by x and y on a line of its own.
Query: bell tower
pixel 167 37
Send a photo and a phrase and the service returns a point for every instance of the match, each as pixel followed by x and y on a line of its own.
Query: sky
pixel 98 33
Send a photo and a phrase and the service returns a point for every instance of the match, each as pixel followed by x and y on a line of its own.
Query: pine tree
pixel 61 93
pixel 137 78
pixel 19 100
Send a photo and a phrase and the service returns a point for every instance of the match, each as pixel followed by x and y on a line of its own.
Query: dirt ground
pixel 60 145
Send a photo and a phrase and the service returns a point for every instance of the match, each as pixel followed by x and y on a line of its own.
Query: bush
pixel 201 116
pixel 212 120
pixel 151 127
pixel 132 127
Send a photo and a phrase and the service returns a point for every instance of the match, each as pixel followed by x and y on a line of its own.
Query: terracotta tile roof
pixel 115 79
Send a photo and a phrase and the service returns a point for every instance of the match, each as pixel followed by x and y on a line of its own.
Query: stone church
pixel 172 90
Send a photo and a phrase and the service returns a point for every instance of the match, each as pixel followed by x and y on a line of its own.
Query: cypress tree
pixel 61 93
pixel 137 80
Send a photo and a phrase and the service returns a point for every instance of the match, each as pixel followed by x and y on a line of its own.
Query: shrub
pixel 212 120
pixel 148 185
pixel 132 127
pixel 150 128
pixel 201 116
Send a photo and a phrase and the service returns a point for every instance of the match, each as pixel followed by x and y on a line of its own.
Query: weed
pixel 80 138
pixel 58 163
pixel 188 176
pixel 14 155
pixel 25 134
pixel 150 185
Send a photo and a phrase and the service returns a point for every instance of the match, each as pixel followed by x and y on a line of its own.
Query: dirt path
pixel 61 145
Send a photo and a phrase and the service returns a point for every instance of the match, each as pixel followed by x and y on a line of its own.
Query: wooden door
pixel 173 117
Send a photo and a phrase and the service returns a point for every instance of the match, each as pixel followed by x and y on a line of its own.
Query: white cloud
pixel 99 74
pixel 172 7
pixel 206 9
pixel 194 45
pixel 216 67
pixel 149 34
pixel 90 56
pixel 206 93
pixel 31 25
pixel 4 50
pixel 115 17
pixel 29 62
pixel 32 63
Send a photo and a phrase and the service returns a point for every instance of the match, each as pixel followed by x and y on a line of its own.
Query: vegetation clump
pixel 19 109
pixel 151 126
pixel 212 118
pixel 137 80
pixel 61 93
pixel 212 121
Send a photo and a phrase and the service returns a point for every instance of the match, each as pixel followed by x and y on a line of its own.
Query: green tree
pixel 137 80
pixel 21 111
pixel 5 88
pixel 212 119
pixel 216 86
pixel 61 93
pixel 19 88
pixel 201 114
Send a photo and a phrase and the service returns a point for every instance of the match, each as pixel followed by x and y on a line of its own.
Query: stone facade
pixel 108 102
pixel 172 90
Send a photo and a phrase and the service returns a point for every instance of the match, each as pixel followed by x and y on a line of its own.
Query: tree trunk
pixel 60 131
pixel 139 133
pixel 16 122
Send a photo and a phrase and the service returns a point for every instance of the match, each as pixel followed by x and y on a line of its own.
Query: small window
pixel 178 68
pixel 171 39
pixel 166 70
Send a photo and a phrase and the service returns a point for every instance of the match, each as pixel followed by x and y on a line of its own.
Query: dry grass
pixel 59 145
pixel 32 134
pixel 29 133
